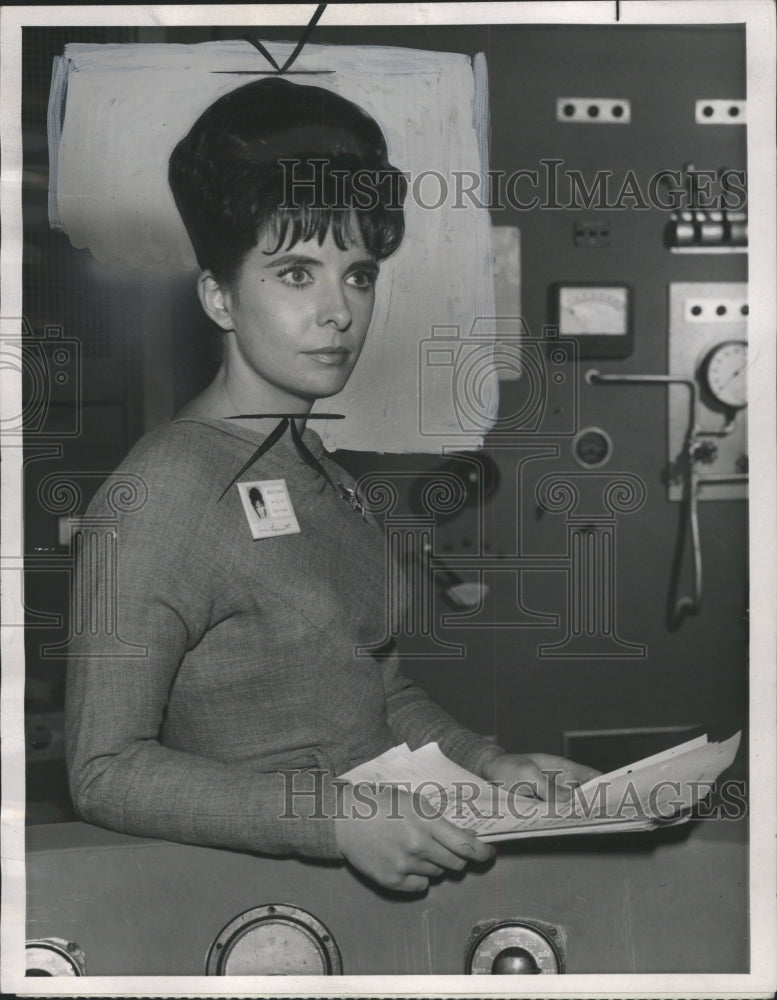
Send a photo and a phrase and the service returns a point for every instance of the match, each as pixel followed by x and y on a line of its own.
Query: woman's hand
pixel 540 774
pixel 386 837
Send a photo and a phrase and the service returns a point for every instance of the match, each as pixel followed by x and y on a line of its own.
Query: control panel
pixel 106 904
pixel 708 347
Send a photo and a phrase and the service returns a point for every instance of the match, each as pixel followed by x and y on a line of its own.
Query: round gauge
pixel 54 957
pixel 512 947
pixel 275 940
pixel 592 447
pixel 724 372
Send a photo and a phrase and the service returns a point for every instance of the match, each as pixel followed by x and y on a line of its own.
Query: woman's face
pixel 297 321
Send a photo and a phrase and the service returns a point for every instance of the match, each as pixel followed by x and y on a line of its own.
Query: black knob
pixel 515 962
pixel 39 737
pixel 705 452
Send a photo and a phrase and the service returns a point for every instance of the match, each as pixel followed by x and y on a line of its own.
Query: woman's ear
pixel 216 300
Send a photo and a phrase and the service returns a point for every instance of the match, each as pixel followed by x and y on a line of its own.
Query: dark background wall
pixel 147 351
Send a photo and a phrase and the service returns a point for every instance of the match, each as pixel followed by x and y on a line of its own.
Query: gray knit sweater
pixel 247 662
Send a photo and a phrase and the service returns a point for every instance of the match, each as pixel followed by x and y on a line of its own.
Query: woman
pixel 250 698
pixel 257 500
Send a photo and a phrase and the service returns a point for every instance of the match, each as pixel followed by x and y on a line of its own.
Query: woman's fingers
pixel 442 858
pixel 539 774
pixel 412 883
pixel 402 852
pixel 458 843
pixel 422 866
pixel 564 774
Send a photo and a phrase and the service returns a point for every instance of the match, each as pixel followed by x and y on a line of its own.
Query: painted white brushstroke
pixel 507 288
pixel 126 106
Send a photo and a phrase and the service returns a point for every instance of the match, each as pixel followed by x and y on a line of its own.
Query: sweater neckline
pixel 309 436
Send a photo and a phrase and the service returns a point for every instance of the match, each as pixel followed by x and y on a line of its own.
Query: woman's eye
pixel 363 280
pixel 296 277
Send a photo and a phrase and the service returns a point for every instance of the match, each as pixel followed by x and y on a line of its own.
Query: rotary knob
pixel 705 452
pixel 515 962
pixel 514 948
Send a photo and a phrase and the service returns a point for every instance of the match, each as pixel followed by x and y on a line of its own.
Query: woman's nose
pixel 334 307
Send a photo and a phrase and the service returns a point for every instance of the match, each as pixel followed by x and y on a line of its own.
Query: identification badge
pixel 268 508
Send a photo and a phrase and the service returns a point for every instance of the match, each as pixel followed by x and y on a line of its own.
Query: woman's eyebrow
pixel 294 259
pixel 301 260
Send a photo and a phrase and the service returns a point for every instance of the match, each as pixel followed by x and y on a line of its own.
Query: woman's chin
pixel 326 387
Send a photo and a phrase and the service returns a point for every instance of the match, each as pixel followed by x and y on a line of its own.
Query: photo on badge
pixel 268 508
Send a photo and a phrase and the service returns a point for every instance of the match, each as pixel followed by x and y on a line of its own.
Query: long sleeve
pixel 214 688
pixel 415 719
pixel 121 774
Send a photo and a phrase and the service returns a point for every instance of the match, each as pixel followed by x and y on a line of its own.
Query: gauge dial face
pixel 54 957
pixel 512 937
pixel 593 310
pixel 724 370
pixel 274 940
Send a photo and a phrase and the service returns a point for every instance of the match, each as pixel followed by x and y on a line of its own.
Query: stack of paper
pixel 653 792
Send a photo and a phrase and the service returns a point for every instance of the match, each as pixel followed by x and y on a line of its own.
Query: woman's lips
pixel 334 356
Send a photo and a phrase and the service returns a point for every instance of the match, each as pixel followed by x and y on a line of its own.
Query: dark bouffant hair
pixel 289 160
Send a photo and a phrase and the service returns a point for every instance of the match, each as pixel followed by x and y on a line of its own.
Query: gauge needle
pixel 731 378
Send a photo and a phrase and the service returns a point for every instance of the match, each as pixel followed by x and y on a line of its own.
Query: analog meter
pixel 599 316
pixel 723 374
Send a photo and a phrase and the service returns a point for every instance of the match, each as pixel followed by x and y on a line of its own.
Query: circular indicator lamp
pixel 274 940
pixel 592 447
pixel 513 947
pixel 723 374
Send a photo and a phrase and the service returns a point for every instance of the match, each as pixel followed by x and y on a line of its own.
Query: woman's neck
pixel 223 399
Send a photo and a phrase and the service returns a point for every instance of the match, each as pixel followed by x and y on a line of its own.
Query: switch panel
pixel 712 309
pixel 593 110
pixel 591 233
pixel 717 112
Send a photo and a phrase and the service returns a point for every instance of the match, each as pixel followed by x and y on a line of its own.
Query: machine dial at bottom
pixel 513 947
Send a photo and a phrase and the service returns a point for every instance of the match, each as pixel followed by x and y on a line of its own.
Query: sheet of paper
pixel 655 758
pixel 625 826
pixel 661 783
pixel 656 791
